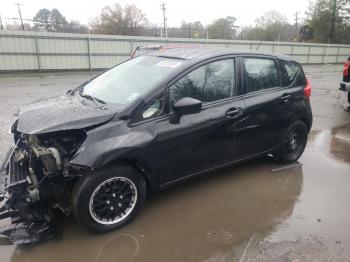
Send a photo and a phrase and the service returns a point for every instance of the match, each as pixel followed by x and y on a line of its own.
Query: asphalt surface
pixel 257 211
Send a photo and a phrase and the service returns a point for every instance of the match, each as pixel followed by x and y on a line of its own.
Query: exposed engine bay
pixel 36 180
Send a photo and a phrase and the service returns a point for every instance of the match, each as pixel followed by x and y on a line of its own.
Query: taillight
pixel 346 69
pixel 307 89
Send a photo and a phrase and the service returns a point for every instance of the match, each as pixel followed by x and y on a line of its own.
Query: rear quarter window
pixel 292 74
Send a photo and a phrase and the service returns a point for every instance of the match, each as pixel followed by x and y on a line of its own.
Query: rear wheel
pixel 349 97
pixel 293 143
pixel 109 198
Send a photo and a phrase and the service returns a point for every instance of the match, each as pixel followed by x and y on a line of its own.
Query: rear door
pixel 293 82
pixel 204 140
pixel 264 98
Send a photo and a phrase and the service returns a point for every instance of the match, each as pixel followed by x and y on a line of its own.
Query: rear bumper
pixel 344 86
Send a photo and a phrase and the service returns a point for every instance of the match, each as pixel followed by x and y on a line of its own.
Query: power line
pixel 36 21
pixel 24 19
pixel 163 7
pixel 20 15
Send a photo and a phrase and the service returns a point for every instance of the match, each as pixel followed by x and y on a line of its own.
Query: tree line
pixel 326 21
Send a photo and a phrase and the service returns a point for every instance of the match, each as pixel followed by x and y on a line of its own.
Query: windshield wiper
pixel 96 100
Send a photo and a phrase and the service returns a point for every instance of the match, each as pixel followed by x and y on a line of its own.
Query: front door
pixel 204 140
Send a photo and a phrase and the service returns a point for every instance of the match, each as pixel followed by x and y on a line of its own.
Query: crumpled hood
pixel 61 112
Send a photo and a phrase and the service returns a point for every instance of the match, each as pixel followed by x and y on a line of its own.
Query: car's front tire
pixel 109 198
pixel 349 97
pixel 293 143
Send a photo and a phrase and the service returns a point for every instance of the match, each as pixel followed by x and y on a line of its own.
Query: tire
pixel 293 143
pixel 349 97
pixel 119 190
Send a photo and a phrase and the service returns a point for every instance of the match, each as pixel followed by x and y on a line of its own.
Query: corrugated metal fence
pixel 38 51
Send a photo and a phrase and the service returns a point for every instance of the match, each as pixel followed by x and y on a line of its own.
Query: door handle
pixel 285 97
pixel 233 112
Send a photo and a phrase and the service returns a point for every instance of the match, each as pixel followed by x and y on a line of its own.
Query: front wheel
pixel 349 97
pixel 109 198
pixel 293 143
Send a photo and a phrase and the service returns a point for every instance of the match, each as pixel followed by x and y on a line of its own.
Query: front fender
pixel 116 140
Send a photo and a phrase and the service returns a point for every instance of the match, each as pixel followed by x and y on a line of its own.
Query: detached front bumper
pixel 28 224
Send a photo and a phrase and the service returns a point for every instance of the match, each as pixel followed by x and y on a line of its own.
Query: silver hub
pixel 113 200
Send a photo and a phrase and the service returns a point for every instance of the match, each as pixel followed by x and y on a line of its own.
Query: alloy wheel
pixel 113 200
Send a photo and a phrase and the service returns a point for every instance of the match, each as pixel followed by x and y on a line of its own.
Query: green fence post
pixel 89 52
pixel 308 55
pixel 336 61
pixel 37 52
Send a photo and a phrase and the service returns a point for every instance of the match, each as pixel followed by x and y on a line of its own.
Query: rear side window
pixel 260 74
pixel 208 83
pixel 290 72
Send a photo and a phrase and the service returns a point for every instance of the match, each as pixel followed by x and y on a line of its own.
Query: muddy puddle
pixel 322 210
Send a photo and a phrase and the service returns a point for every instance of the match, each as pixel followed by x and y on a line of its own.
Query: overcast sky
pixel 177 10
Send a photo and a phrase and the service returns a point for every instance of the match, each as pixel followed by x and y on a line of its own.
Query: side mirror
pixel 187 105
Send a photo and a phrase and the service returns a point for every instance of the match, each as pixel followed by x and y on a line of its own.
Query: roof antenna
pixel 258 45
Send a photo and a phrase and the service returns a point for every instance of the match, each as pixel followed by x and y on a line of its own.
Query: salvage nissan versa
pixel 152 121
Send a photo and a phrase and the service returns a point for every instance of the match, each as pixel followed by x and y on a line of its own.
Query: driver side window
pixel 211 82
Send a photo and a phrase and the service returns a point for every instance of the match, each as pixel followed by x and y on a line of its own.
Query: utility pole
pixel 296 25
pixel 20 15
pixel 1 26
pixel 162 6
pixel 189 30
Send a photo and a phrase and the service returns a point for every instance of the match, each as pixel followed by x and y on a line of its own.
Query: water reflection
pixel 321 216
pixel 340 144
pixel 111 247
pixel 195 220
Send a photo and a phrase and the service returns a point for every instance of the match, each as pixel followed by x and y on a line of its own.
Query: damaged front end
pixel 37 179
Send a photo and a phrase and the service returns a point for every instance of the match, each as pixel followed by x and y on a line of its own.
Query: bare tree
pixel 329 20
pixel 273 25
pixel 119 21
pixel 223 28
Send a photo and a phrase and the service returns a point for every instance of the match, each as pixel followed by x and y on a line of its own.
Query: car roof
pixel 201 52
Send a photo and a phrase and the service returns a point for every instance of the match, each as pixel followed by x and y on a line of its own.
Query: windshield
pixel 130 80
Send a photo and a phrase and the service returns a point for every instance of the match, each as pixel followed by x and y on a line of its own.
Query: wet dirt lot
pixel 252 212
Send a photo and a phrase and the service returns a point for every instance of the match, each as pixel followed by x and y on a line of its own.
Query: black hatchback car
pixel 145 124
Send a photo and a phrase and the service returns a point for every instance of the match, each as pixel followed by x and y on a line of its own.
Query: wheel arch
pixel 307 122
pixel 143 168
